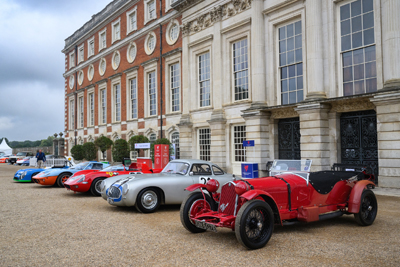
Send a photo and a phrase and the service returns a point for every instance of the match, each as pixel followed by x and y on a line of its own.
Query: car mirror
pixel 190 173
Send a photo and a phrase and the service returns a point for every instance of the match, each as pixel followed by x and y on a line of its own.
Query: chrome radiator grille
pixel 227 202
pixel 114 192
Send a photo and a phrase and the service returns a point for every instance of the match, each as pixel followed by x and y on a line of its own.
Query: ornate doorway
pixel 359 143
pixel 289 138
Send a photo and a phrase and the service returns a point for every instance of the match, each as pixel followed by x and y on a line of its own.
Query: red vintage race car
pixel 90 181
pixel 291 194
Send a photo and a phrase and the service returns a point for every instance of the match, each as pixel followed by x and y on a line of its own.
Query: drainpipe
pixel 76 88
pixel 161 76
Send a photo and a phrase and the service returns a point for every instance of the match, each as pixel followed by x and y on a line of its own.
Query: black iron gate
pixel 289 138
pixel 359 143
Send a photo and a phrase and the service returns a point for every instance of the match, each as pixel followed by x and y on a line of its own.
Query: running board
pixel 331 215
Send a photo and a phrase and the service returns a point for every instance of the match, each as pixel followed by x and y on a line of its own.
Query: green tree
pixel 48 141
pixel 103 144
pixel 160 141
pixel 137 139
pixel 77 152
pixel 120 150
pixel 90 151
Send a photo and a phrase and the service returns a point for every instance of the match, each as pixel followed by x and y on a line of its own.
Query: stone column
pixel 216 68
pixel 314 46
pixel 314 130
pixel 388 127
pixel 258 85
pixel 185 137
pixel 257 129
pixel 391 43
pixel 185 97
pixel 218 141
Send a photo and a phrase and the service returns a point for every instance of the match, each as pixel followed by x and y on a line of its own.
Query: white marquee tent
pixel 5 148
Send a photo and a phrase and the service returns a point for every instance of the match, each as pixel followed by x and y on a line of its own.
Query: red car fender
pixel 355 195
pixel 193 187
pixel 252 194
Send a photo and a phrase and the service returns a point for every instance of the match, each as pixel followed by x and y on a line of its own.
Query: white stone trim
pixel 115 38
pixel 132 12
pixel 129 58
pixel 169 28
pixel 146 43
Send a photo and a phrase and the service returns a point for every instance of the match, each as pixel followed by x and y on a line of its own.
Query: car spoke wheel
pixel 193 205
pixel 95 187
pixel 62 178
pixel 368 209
pixel 254 224
pixel 148 200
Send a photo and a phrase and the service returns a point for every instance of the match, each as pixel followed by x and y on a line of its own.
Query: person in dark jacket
pixel 41 158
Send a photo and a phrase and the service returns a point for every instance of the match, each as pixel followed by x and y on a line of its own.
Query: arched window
pixel 153 138
pixel 175 140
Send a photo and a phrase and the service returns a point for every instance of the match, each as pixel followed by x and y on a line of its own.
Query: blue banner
pixel 248 143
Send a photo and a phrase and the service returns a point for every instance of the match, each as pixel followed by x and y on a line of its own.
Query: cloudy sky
pixel 32 34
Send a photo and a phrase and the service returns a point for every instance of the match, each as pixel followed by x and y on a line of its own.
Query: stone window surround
pixel 171 60
pixel 79 111
pixel 146 70
pixel 115 81
pixel 71 112
pixel 146 46
pixel 378 45
pixel 278 20
pixel 147 18
pixel 102 86
pixel 81 77
pixel 90 77
pixel 72 59
pixel 195 50
pixel 81 53
pixel 167 37
pixel 113 25
pixel 129 13
pixel 129 76
pixel 128 57
pixel 228 38
pixel 114 64
pixel 100 70
pixel 89 41
pixel 101 47
pixel 89 92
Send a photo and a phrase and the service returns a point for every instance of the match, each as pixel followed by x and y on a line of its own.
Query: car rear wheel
pixel 62 178
pixel 368 209
pixel 254 224
pixel 191 206
pixel 95 188
pixel 148 200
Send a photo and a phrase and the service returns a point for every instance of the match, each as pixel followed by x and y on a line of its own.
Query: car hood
pixel 30 169
pixel 139 177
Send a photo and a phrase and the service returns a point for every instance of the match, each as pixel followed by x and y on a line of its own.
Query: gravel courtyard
pixel 50 226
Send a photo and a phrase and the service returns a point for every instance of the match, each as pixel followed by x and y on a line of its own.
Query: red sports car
pixel 291 194
pixel 84 181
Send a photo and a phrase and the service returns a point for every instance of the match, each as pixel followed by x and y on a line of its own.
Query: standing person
pixel 41 157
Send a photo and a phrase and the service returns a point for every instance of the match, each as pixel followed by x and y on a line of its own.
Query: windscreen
pixel 298 167
pixel 176 167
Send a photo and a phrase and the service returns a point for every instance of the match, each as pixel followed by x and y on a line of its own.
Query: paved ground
pixel 48 226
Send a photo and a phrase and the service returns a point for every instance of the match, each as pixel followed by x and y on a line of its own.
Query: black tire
pixel 62 178
pixel 148 200
pixel 254 224
pixel 186 209
pixel 95 187
pixel 368 209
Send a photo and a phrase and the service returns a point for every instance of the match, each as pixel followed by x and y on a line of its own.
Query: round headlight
pixel 241 187
pixel 212 185
pixel 125 189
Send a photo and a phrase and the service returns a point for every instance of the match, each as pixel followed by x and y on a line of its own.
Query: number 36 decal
pixel 204 180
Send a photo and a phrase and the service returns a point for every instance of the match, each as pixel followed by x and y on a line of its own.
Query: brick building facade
pixel 122 73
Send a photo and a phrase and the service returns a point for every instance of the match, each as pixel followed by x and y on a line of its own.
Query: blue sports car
pixel 59 176
pixel 25 175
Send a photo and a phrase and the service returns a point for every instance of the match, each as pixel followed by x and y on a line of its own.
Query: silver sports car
pixel 148 191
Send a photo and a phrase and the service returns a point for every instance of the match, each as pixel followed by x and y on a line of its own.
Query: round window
pixel 172 32
pixel 80 77
pixel 71 81
pixel 150 43
pixel 102 66
pixel 116 60
pixel 90 72
pixel 131 53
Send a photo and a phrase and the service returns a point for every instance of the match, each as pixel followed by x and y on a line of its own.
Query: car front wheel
pixel 191 206
pixel 254 224
pixel 368 209
pixel 62 179
pixel 95 188
pixel 148 200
